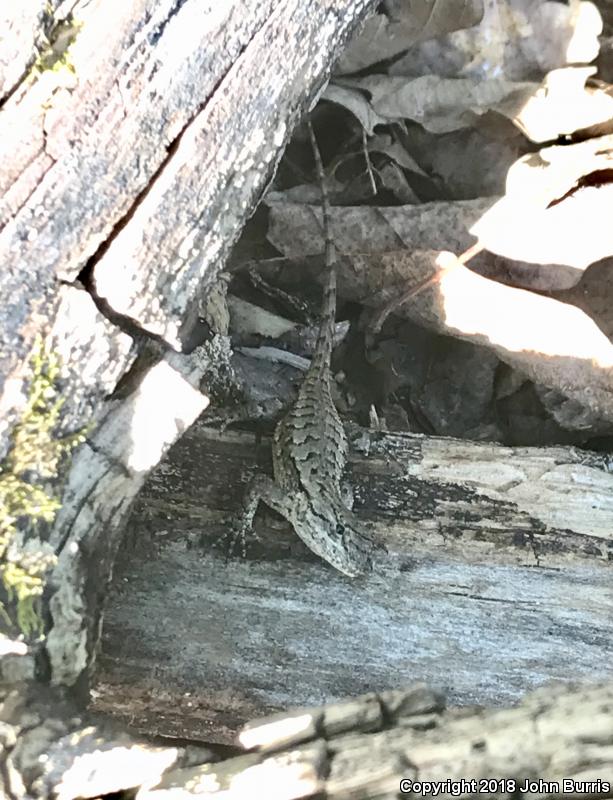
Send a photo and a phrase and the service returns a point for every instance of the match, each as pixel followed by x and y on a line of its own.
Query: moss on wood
pixel 26 497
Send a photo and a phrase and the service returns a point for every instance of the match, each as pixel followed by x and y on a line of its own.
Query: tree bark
pixel 557 742
pixel 152 129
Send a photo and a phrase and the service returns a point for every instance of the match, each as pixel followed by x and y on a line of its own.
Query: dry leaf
pixel 394 150
pixel 393 179
pixel 440 104
pixel 554 210
pixel 553 343
pixel 355 102
pixel 295 229
pixel 516 39
pixel 563 104
pixel 472 162
pixel 411 21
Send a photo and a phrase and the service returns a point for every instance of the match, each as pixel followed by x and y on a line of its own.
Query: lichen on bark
pixel 28 489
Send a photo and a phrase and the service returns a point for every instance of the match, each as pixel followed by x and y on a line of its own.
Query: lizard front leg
pixel 261 488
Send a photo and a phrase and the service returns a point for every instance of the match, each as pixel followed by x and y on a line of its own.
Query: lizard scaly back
pixel 310 447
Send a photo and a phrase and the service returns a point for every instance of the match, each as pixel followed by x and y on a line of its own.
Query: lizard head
pixel 334 533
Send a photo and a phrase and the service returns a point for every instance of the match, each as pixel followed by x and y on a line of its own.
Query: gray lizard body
pixel 310 450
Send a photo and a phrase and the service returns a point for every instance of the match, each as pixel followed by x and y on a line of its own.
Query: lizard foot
pixel 233 539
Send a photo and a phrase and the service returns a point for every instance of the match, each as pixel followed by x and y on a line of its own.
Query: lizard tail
pixel 323 349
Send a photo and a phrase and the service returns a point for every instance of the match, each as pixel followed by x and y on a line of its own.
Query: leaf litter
pixel 448 126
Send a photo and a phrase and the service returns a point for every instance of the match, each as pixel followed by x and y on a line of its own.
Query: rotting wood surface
pixel 497 580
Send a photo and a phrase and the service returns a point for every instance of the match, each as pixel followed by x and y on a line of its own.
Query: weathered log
pixel 557 742
pixel 134 144
pixel 497 578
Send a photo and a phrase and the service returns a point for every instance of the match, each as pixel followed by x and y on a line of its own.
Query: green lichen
pixel 55 55
pixel 33 460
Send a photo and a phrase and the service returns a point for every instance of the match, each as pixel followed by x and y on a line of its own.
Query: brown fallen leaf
pixel 556 209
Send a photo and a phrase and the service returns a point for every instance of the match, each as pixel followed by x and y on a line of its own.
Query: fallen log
pixel 135 143
pixel 496 579
pixel 556 742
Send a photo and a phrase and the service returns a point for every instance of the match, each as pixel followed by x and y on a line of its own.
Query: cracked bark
pixel 129 164
pixel 558 740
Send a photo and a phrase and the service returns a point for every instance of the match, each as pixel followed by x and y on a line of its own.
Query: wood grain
pixel 478 594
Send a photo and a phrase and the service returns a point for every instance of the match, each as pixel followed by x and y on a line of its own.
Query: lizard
pixel 309 447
